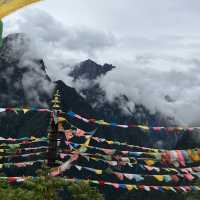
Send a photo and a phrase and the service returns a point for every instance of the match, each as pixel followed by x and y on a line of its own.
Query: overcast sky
pixel 138 17
pixel 154 43
pixel 129 16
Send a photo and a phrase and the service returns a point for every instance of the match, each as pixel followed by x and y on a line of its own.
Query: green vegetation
pixel 83 191
pixel 48 188
pixel 193 195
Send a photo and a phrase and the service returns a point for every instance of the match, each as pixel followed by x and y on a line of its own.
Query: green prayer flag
pixel 83 149
pixel 117 143
pixel 13 146
pixel 109 170
pixel 107 157
pixel 87 158
pixel 7 165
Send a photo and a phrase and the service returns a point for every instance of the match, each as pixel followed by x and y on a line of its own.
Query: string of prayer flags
pixel 171 157
pixel 76 132
pixel 103 123
pixel 174 157
pixel 140 177
pixel 145 168
pixel 110 142
pixel 128 163
pixel 102 183
pixel 24 139
pixel 142 127
pixel 21 164
pixel 24 110
pixel 21 151
pixel 147 188
pixel 22 143
pixel 24 155
pixel 180 157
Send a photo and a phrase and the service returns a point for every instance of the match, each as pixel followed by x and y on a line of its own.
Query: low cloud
pixel 151 88
pixel 60 46
pixel 159 72
pixel 26 82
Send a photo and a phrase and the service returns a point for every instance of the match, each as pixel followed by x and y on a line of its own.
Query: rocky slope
pixel 24 82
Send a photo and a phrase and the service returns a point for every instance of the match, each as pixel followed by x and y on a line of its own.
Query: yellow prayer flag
pixel 179 128
pixel 109 142
pixel 87 142
pixel 172 170
pixel 61 119
pixel 145 128
pixel 102 122
pixel 198 188
pixel 1 166
pixel 84 146
pixel 166 187
pixel 98 171
pixel 159 177
pixel 9 6
pixel 86 181
pixel 151 154
pixel 94 159
pixel 149 162
pixel 129 187
pixel 135 187
pixel 194 155
pixel 24 109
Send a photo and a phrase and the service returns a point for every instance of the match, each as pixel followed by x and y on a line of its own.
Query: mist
pixel 159 71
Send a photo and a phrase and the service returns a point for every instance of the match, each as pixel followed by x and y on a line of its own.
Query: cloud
pixel 25 81
pixel 150 87
pixel 135 17
pixel 151 68
pixel 59 45
pixel 37 87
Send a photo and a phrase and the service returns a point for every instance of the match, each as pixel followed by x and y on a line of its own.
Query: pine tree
pixel 83 191
pixel 45 187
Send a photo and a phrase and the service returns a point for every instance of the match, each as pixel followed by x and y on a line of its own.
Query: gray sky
pixel 155 45
pixel 131 17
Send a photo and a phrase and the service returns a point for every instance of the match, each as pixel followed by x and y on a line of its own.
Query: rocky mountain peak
pixel 90 70
pixel 23 78
pixel 24 82
pixel 14 47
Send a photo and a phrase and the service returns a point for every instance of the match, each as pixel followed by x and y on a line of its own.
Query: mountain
pixel 17 72
pixel 86 75
pixel 118 110
pixel 90 70
pixel 25 82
